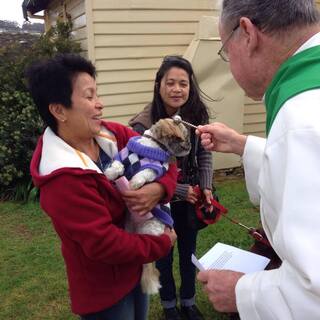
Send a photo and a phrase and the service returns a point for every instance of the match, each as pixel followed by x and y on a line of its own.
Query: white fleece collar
pixel 312 42
pixel 56 153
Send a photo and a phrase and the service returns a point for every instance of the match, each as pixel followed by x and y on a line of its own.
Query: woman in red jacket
pixel 103 261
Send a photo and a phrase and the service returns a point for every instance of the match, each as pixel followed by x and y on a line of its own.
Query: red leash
pixel 218 211
pixel 252 231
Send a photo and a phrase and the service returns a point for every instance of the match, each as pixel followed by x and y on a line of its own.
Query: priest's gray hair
pixel 270 16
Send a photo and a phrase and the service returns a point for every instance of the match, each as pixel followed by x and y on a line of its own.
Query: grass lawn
pixel 32 274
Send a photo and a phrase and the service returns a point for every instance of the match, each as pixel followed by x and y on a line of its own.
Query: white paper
pixel 225 257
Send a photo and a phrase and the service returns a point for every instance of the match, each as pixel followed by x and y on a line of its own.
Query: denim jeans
pixel 134 306
pixel 186 240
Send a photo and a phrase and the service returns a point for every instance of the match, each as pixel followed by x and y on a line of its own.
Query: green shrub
pixel 20 124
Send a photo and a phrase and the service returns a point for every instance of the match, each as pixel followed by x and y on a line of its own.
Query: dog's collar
pixel 147 152
pixel 162 146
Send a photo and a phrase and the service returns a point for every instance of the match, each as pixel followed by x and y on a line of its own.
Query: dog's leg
pixel 115 170
pixel 150 283
pixel 141 178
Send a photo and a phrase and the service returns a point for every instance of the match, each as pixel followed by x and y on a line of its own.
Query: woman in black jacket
pixel 176 92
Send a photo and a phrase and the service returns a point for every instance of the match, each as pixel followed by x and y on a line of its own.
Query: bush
pixel 20 124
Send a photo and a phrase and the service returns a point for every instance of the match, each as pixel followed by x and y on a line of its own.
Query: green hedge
pixel 20 124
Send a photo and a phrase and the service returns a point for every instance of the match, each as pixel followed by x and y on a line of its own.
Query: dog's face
pixel 175 137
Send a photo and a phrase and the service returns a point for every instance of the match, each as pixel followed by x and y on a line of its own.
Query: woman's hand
pixel 191 195
pixel 141 201
pixel 207 199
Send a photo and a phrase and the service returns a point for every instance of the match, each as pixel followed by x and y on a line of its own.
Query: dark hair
pixel 50 81
pixel 270 16
pixel 194 110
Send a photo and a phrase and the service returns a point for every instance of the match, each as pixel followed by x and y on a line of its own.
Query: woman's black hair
pixel 50 81
pixel 194 110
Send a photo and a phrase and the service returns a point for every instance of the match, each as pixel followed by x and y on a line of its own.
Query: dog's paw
pixel 141 178
pixel 136 182
pixel 114 171
pixel 111 174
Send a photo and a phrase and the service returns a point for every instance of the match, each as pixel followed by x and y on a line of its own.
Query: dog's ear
pixel 169 129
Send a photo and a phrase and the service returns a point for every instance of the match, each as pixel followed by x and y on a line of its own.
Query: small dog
pixel 145 159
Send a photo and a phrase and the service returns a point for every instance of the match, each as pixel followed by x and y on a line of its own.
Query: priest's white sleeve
pixel 252 160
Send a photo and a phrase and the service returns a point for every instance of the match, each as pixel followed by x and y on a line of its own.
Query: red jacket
pixel 103 261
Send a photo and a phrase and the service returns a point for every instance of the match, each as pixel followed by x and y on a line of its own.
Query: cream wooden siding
pixel 130 38
pixel 254 118
pixel 70 9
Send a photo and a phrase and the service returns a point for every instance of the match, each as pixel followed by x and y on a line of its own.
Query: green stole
pixel 299 73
